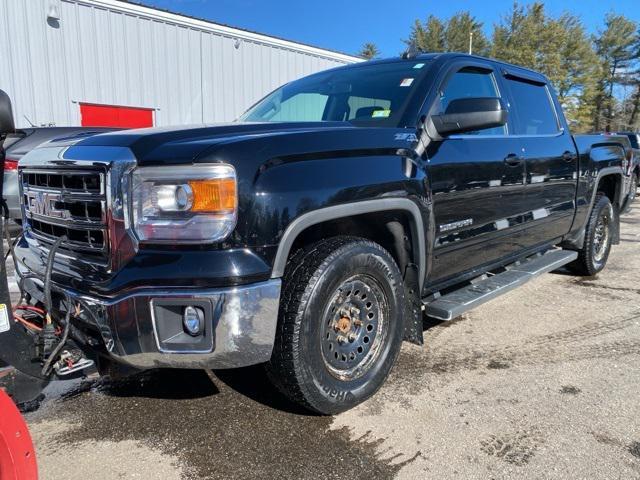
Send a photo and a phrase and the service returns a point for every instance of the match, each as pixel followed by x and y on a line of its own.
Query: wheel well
pixel 390 229
pixel 400 233
pixel 610 186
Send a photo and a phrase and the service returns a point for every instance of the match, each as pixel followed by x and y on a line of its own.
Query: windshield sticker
pixel 406 82
pixel 381 113
pixel 418 65
pixel 5 326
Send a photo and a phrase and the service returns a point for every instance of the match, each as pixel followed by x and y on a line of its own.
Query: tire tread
pixel 303 271
pixel 583 265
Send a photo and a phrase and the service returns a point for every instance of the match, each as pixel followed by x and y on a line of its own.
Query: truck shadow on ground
pixel 253 383
pixel 232 424
pixel 169 384
pixel 250 382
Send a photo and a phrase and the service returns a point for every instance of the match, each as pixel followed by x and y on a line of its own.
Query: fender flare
pixel 605 172
pixel 344 210
pixel 577 240
pixel 621 200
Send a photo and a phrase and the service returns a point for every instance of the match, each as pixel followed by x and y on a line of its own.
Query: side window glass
pixel 471 83
pixel 534 112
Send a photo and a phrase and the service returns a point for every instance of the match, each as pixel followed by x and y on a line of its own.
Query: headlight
pixel 190 204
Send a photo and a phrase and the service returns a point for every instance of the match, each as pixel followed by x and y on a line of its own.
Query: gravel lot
pixel 541 383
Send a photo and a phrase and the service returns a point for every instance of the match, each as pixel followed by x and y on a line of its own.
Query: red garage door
pixel 93 115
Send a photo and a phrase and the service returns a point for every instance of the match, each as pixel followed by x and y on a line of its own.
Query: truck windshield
pixel 370 94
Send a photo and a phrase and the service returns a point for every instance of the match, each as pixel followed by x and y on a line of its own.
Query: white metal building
pixel 83 62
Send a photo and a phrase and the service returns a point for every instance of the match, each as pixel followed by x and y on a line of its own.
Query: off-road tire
pixel 313 279
pixel 631 196
pixel 588 262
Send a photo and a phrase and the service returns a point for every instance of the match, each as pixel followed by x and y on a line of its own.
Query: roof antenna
pixel 412 51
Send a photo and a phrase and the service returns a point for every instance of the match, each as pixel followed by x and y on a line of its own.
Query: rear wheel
pixel 341 324
pixel 594 254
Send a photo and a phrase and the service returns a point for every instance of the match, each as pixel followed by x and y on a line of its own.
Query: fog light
pixel 193 321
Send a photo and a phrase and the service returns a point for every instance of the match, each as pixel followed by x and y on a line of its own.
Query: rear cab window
pixel 532 108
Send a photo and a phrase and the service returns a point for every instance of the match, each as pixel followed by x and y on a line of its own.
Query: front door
pixel 477 184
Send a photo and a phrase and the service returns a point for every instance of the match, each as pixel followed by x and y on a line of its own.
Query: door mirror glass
pixel 6 115
pixel 470 114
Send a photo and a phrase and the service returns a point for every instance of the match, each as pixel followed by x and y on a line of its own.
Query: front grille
pixel 71 203
pixel 70 182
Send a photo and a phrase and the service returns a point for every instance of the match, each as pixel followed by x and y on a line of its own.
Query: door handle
pixel 568 156
pixel 513 160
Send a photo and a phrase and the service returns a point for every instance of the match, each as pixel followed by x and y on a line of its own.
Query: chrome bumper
pixel 243 323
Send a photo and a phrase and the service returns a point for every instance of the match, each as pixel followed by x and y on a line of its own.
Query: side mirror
pixel 6 115
pixel 470 114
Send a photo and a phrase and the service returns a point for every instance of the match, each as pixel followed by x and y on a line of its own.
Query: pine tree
pixel 557 47
pixel 575 73
pixel 457 34
pixel 452 35
pixel 634 116
pixel 617 49
pixel 369 51
pixel 588 72
pixel 427 37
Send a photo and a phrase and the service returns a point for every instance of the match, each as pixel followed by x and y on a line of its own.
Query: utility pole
pixel 470 43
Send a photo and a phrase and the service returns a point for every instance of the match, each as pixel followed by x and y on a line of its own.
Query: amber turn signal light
pixel 216 195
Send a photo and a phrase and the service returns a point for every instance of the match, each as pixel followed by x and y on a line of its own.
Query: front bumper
pixel 240 327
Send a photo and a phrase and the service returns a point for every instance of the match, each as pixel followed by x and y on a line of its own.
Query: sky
pixel 344 25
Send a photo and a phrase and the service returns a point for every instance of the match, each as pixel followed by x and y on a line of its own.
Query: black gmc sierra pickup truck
pixel 314 233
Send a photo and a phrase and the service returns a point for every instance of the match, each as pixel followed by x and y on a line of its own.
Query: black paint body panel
pixel 286 170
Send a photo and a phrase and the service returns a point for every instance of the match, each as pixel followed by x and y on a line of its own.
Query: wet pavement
pixel 221 425
pixel 540 383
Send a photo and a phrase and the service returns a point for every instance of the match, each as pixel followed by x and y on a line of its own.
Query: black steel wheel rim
pixel 354 327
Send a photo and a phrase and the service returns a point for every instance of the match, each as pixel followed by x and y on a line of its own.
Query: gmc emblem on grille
pixel 45 204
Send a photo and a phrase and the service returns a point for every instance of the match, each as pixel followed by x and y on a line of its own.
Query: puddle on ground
pixel 232 425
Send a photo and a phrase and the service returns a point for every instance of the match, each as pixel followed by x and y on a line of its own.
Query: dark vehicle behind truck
pixel 22 141
pixel 634 164
pixel 313 234
pixel 18 372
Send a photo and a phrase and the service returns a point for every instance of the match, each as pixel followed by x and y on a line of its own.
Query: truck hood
pixel 184 143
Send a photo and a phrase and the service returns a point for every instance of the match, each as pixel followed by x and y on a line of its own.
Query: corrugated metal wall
pixel 108 52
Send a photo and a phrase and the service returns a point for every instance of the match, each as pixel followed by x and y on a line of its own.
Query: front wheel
pixel 594 254
pixel 341 324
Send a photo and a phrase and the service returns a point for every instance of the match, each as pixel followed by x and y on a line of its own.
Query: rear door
pixel 476 180
pixel 550 156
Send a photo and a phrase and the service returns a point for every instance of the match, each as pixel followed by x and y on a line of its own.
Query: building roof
pixel 139 8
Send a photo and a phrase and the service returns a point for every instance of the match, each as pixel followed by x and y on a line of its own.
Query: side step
pixel 456 303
